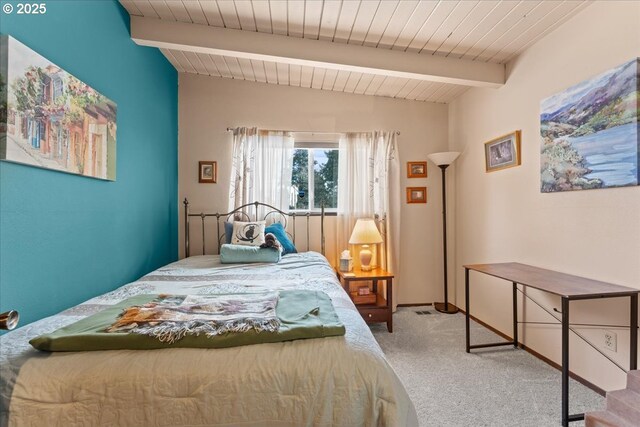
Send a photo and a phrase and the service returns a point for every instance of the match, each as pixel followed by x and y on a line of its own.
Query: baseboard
pixel 414 305
pixel 534 353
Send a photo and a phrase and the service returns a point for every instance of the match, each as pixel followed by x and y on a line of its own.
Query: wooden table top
pixel 376 273
pixel 564 285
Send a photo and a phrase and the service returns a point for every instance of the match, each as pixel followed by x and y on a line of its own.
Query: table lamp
pixel 365 233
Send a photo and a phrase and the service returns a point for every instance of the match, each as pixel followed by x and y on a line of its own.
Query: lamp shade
pixel 445 158
pixel 365 233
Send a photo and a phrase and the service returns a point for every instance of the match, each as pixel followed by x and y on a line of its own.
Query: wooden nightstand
pixel 382 309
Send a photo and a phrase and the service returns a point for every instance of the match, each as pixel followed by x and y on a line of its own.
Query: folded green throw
pixel 302 314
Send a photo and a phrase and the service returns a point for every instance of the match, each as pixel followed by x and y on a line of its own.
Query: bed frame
pixel 241 213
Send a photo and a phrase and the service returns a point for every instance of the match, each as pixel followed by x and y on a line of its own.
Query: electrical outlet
pixel 611 341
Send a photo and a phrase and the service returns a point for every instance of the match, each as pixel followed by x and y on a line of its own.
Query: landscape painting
pixel 51 119
pixel 590 133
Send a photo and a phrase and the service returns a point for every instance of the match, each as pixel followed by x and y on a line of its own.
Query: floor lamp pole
pixel 445 307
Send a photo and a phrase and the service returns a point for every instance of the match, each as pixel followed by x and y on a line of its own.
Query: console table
pixel 568 288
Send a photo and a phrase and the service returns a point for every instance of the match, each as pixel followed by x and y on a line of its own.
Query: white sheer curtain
pixel 369 173
pixel 261 167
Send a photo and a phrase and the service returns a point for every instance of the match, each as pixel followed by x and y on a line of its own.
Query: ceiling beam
pixel 315 53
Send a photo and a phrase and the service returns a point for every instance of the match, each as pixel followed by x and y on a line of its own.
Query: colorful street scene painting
pixel 590 133
pixel 51 119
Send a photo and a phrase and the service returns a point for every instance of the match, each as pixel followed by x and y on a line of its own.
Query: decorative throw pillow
pixel 248 233
pixel 278 230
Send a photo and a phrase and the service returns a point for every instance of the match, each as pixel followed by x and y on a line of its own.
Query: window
pixel 58 88
pixel 314 179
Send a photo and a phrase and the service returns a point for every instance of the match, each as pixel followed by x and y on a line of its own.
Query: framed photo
pixel 502 152
pixel 207 172
pixel 416 169
pixel 416 194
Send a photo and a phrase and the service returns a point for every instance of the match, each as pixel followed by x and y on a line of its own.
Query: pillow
pixel 242 254
pixel 228 231
pixel 278 230
pixel 248 233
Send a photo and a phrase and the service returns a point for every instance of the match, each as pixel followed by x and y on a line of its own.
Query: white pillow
pixel 248 233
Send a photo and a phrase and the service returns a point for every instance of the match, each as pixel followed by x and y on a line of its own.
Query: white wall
pixel 208 105
pixel 502 216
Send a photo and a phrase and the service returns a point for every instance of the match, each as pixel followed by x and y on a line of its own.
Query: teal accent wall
pixel 66 238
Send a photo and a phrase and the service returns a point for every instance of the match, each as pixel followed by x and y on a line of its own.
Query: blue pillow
pixel 228 231
pixel 278 230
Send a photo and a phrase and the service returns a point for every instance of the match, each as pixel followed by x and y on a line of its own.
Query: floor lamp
pixel 443 160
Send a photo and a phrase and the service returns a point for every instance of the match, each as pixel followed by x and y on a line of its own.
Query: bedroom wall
pixel 209 105
pixel 66 238
pixel 502 216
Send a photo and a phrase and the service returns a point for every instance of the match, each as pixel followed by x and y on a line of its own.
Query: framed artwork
pixel 417 169
pixel 52 120
pixel 207 172
pixel 416 194
pixel 590 133
pixel 503 152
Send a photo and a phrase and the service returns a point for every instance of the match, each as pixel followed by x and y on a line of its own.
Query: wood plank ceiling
pixel 480 30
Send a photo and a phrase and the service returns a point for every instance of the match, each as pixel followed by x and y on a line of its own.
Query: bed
pixel 336 381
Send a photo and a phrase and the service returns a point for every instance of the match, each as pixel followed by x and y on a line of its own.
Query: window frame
pixel 310 146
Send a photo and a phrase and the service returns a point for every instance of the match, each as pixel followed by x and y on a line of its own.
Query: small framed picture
pixel 207 172
pixel 502 152
pixel 416 194
pixel 416 169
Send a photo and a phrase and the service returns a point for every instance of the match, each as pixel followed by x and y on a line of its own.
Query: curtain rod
pixel 310 131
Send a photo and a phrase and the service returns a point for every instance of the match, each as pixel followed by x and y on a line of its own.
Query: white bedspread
pixel 338 381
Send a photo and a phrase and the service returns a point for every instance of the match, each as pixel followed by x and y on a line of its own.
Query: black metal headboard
pixel 272 213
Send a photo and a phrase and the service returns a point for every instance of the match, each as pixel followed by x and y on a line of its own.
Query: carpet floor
pixel 490 387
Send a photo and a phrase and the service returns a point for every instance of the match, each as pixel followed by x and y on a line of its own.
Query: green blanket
pixel 302 314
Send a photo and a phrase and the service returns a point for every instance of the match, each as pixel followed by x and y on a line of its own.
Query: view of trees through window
pixel 312 191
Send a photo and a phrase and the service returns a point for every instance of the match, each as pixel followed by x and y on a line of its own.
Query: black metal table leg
pixel 515 315
pixel 565 362
pixel 633 332
pixel 466 309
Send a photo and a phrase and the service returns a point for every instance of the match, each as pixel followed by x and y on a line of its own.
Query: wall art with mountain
pixel 590 133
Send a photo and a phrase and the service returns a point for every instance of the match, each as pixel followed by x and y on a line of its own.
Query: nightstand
pixel 382 309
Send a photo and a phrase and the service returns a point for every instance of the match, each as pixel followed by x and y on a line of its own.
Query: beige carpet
pixel 491 387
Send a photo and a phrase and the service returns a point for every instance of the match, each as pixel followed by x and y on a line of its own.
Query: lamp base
pixel 365 258
pixel 445 307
